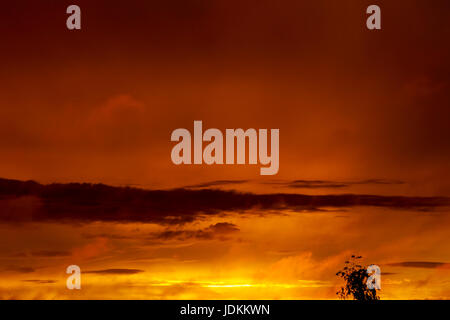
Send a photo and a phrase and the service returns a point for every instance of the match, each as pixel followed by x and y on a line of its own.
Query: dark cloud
pixel 420 264
pixel 327 184
pixel 389 273
pixel 20 269
pixel 379 181
pixel 216 231
pixel 300 184
pixel 40 281
pixel 98 202
pixel 115 271
pixel 216 183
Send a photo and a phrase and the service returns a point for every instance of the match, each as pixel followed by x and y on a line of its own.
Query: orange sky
pixel 359 112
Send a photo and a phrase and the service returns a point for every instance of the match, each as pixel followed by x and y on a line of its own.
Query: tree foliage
pixel 355 277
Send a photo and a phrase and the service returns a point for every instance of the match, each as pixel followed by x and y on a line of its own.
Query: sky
pixel 88 114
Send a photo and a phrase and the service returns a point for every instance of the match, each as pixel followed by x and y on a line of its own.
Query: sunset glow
pixel 87 177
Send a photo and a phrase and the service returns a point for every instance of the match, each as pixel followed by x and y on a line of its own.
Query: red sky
pixel 359 112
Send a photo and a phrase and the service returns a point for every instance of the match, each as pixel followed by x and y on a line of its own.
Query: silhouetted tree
pixel 355 277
